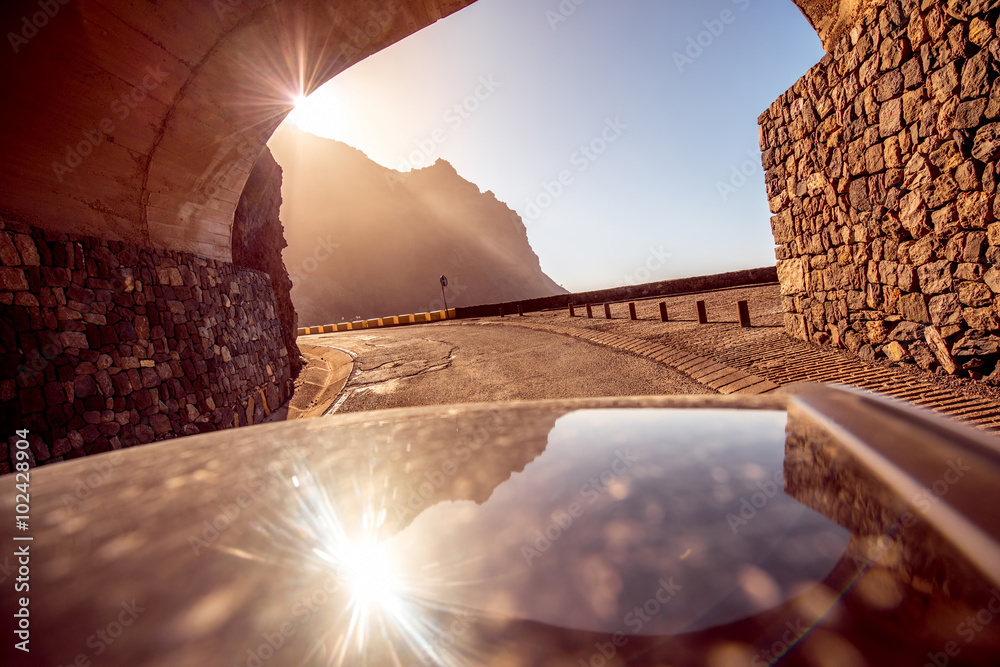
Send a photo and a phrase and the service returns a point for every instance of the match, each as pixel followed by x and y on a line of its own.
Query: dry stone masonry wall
pixel 106 345
pixel 881 171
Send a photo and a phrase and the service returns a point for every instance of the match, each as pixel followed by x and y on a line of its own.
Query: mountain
pixel 366 241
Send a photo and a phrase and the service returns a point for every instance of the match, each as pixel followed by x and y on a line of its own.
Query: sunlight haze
pixel 623 133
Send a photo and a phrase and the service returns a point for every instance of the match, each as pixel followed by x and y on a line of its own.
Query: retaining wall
pixel 106 344
pixel 759 276
pixel 881 167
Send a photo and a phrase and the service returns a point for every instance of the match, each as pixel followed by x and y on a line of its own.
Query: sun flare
pixel 369 575
pixel 378 607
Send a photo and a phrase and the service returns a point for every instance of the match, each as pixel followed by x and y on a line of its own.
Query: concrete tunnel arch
pixel 141 122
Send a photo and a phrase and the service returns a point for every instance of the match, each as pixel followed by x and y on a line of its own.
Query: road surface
pixel 438 364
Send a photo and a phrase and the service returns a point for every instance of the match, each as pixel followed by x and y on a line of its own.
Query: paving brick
pixel 727 379
pixel 733 387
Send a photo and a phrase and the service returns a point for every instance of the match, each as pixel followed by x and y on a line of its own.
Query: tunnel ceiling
pixel 140 121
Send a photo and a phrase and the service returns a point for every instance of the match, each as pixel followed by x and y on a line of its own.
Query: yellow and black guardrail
pixel 380 322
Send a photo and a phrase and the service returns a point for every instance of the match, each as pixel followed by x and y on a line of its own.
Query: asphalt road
pixel 437 364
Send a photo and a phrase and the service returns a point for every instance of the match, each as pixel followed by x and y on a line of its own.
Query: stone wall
pixel 881 169
pixel 106 345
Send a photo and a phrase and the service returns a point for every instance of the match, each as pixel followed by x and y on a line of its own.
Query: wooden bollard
pixel 501 311
pixel 607 311
pixel 744 310
pixel 520 310
pixel 590 313
pixel 572 313
pixel 702 314
pixel 663 311
pixel 631 311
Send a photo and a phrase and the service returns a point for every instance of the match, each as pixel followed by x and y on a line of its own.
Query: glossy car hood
pixel 641 531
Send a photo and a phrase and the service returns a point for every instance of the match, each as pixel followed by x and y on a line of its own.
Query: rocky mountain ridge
pixel 367 241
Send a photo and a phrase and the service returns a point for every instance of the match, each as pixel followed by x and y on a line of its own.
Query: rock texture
pixel 365 241
pixel 881 168
pixel 105 345
pixel 258 239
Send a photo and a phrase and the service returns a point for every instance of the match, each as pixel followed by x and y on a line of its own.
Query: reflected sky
pixel 621 507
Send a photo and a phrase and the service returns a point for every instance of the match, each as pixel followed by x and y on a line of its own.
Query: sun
pixel 369 575
pixel 325 112
pixel 314 113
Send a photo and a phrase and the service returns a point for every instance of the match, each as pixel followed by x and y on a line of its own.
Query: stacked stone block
pixel 881 171
pixel 105 345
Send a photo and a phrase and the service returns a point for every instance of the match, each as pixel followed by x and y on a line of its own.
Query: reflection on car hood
pixel 648 531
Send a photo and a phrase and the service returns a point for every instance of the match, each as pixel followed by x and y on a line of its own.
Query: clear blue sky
pixel 555 80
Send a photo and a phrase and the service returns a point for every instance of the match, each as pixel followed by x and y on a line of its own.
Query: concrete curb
pixel 321 381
